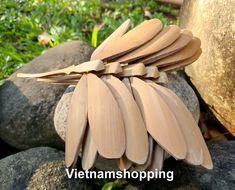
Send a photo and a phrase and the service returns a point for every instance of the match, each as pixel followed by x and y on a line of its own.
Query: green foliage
pixel 22 21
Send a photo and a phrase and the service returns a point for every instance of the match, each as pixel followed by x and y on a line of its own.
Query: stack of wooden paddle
pixel 118 109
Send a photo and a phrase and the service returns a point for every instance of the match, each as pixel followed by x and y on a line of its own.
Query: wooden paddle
pixel 157 158
pixel 76 123
pixel 132 39
pixel 165 38
pixel 124 163
pixel 187 52
pixel 159 120
pixel 109 41
pixel 184 38
pixel 105 119
pixel 194 151
pixel 110 68
pixel 137 69
pixel 144 166
pixel 182 64
pixel 85 67
pixel 89 152
pixel 207 162
pixel 135 130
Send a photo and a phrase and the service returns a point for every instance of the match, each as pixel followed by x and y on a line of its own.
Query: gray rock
pixel 27 107
pixel 191 177
pixel 182 89
pixel 214 72
pixel 176 83
pixel 37 168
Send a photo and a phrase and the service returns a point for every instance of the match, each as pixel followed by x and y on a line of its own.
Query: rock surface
pixel 43 168
pixel 190 177
pixel 37 168
pixel 176 83
pixel 213 21
pixel 27 107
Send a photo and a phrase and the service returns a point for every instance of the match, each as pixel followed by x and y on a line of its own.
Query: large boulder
pixel 27 107
pixel 37 168
pixel 175 82
pixel 213 75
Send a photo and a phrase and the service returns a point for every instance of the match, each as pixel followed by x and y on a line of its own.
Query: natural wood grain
pixel 89 152
pixel 109 41
pixel 165 38
pixel 207 162
pixel 135 130
pixel 132 39
pixel 159 120
pixel 181 64
pixel 187 52
pixel 137 69
pixel 184 38
pixel 105 119
pixel 77 121
pixel 142 167
pixel 157 158
pixel 96 65
pixel 112 68
pixel 194 151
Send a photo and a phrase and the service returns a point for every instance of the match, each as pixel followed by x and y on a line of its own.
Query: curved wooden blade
pixel 194 150
pixel 96 65
pixel 159 120
pixel 132 39
pixel 144 166
pixel 182 64
pixel 157 158
pixel 137 69
pixel 89 152
pixel 77 121
pixel 166 37
pixel 115 35
pixel 188 118
pixel 110 68
pixel 105 119
pixel 184 38
pixel 187 52
pixel 136 133
pixel 124 163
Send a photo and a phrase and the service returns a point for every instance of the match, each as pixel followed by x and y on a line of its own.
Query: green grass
pixel 22 21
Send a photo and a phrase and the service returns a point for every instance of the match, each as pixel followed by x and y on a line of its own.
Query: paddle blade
pixel 159 120
pixel 184 38
pixel 77 121
pixel 108 42
pixel 194 150
pixel 89 152
pixel 166 37
pixel 132 39
pixel 136 133
pixel 207 161
pixel 157 158
pixel 105 119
